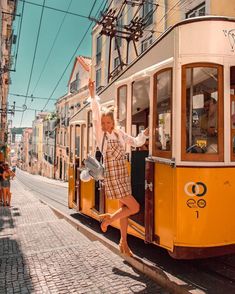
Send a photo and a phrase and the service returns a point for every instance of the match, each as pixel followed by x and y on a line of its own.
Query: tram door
pixel 140 121
pixel 79 156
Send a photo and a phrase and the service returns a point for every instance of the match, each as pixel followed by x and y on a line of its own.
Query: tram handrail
pixel 167 161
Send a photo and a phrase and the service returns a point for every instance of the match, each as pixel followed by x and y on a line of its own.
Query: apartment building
pixel 66 109
pixel 7 38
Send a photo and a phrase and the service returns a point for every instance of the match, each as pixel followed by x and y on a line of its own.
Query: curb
pixel 161 277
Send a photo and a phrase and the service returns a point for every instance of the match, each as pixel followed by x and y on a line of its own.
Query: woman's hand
pixel 146 132
pixel 91 87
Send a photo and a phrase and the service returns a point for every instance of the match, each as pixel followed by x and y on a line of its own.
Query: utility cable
pixel 52 47
pixel 19 35
pixel 55 9
pixel 34 97
pixel 71 59
pixel 35 51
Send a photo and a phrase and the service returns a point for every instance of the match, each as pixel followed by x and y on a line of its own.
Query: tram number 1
pixel 197 214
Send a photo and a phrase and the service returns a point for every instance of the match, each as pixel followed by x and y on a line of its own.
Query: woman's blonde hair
pixel 108 112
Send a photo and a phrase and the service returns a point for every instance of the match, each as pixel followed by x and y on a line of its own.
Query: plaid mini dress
pixel 117 182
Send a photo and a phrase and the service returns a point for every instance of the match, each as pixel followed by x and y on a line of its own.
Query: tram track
pixel 33 188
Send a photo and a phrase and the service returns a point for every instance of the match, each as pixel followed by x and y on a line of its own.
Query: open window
pixel 140 106
pixel 122 106
pixel 202 112
pixel 162 134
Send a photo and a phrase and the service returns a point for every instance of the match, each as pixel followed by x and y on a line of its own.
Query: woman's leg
pixel 123 227
pixel 8 197
pixel 129 206
pixel 4 196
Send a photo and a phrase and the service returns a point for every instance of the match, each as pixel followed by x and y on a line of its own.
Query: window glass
pixel 122 105
pixel 140 106
pixel 148 12
pixel 200 10
pixel 162 122
pixel 77 140
pixel 98 49
pixel 201 110
pixel 98 78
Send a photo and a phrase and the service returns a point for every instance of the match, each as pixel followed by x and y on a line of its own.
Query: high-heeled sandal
pixel 124 249
pixel 103 218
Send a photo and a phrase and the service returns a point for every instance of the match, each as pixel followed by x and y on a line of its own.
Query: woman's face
pixel 107 123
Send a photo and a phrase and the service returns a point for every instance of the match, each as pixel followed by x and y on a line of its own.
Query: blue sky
pixel 69 37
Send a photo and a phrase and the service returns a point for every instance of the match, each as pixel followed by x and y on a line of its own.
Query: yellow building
pixel 7 11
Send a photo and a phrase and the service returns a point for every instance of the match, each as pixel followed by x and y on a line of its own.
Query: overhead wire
pixel 34 56
pixel 34 97
pixel 55 9
pixel 19 35
pixel 71 59
pixel 52 47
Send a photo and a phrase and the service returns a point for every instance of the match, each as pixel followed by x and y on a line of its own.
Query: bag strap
pixel 102 148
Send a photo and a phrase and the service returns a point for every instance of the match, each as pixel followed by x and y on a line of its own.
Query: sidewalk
pixel 40 253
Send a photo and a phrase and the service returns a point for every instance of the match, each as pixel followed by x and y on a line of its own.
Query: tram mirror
pixel 140 105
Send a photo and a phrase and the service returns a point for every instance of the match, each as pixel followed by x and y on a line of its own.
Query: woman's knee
pixel 135 208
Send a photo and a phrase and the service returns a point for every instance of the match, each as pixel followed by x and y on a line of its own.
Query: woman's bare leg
pixel 123 227
pixel 9 197
pixel 129 206
pixel 4 196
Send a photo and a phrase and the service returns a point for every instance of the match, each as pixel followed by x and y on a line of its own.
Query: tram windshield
pixel 201 110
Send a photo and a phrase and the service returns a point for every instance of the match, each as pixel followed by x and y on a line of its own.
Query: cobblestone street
pixel 40 253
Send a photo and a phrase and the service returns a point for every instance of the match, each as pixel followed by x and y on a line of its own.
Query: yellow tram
pixel 183 88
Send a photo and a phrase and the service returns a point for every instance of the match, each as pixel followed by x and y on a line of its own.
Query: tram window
pixel 163 115
pixel 140 106
pixel 203 103
pixel 77 141
pixel 89 132
pixel 122 106
pixel 232 97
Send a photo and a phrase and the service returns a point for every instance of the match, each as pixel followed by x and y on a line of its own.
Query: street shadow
pixel 147 284
pixel 13 265
pixel 195 274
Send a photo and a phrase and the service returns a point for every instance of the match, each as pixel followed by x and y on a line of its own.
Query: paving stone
pixel 40 253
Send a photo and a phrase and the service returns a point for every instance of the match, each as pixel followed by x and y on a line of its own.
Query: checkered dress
pixel 117 182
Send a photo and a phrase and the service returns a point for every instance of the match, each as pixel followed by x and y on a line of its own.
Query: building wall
pixel 66 108
pixel 6 37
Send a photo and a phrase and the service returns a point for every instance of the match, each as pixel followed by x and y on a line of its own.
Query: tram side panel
pixel 164 205
pixel 205 206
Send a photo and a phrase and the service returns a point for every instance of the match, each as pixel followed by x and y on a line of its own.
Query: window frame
pixel 203 157
pixel 98 52
pixel 196 11
pixel 157 152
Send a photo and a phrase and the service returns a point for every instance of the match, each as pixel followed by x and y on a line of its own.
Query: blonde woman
pixel 7 176
pixel 116 179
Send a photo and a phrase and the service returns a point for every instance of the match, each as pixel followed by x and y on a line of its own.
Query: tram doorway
pixel 140 121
